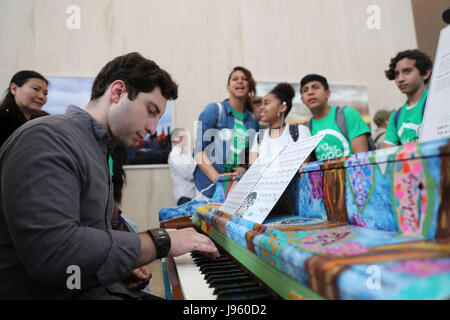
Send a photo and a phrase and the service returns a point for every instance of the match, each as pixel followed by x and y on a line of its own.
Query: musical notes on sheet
pixel 263 184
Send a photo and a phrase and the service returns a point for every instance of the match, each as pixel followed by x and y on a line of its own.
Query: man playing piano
pixel 56 240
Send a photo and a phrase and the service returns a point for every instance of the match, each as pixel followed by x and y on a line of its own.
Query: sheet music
pixel 436 120
pixel 263 184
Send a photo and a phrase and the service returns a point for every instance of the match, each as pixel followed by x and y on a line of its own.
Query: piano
pixel 194 277
pixel 375 225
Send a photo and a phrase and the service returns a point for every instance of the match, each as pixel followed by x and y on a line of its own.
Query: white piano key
pixel 192 281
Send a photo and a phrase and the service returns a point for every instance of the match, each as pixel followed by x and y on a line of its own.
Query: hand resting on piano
pixel 188 240
pixel 181 241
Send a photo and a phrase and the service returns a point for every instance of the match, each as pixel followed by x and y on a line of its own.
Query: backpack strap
pixel 340 121
pixel 260 136
pixel 423 106
pixel 219 106
pixel 378 136
pixel 396 117
pixel 397 113
pixel 293 130
pixel 309 125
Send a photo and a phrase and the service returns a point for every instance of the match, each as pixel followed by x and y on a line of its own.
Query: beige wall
pixel 146 192
pixel 428 21
pixel 198 42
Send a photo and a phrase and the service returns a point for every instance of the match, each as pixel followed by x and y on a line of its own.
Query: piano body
pixel 375 225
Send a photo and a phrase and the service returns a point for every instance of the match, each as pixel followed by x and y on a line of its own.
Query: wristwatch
pixel 161 240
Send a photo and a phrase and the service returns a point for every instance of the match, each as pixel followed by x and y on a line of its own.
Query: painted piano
pixel 375 225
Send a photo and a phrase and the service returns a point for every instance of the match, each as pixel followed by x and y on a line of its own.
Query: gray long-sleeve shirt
pixel 56 207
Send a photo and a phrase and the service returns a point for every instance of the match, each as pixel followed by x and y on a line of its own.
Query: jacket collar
pixel 229 110
pixel 86 119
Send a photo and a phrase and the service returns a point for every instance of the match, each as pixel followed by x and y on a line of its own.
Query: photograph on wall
pixel 153 149
pixel 355 96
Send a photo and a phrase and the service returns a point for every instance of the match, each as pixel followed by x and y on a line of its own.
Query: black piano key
pixel 240 291
pixel 237 285
pixel 209 261
pixel 196 254
pixel 218 282
pixel 215 268
pixel 229 281
pixel 262 295
pixel 223 265
pixel 225 276
pixel 223 272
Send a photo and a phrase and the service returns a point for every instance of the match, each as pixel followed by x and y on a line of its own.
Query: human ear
pixel 13 88
pixel 427 75
pixel 117 89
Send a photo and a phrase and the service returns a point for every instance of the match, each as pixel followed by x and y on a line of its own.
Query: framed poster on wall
pixel 152 150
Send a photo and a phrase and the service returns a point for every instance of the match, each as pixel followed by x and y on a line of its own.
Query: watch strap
pixel 161 239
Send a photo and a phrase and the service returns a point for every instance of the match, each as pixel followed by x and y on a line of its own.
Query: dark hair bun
pixel 284 91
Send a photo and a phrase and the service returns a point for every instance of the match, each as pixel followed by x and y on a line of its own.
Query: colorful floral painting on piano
pixel 373 226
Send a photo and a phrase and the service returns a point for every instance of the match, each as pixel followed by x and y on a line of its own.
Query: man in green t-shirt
pixel 411 70
pixel 315 92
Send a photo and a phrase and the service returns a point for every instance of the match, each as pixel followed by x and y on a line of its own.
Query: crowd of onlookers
pixel 249 126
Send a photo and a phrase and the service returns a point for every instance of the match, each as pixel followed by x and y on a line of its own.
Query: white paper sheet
pixel 263 184
pixel 436 120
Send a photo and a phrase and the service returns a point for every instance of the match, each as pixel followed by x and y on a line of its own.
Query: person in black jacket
pixel 25 96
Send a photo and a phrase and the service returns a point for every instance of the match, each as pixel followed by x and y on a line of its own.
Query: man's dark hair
pixel 314 77
pixel 285 93
pixel 423 62
pixel 139 75
pixel 119 158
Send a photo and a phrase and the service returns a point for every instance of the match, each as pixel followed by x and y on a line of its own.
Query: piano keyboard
pixel 201 278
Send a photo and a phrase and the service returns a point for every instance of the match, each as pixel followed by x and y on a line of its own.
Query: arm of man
pixel 182 241
pixel 391 139
pixel 360 144
pixel 44 183
pixel 357 130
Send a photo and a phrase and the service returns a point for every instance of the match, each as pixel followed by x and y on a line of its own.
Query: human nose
pixel 151 126
pixel 401 77
pixel 42 97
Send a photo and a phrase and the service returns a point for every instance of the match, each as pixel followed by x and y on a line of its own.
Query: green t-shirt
pixel 334 144
pixel 408 125
pixel 240 142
